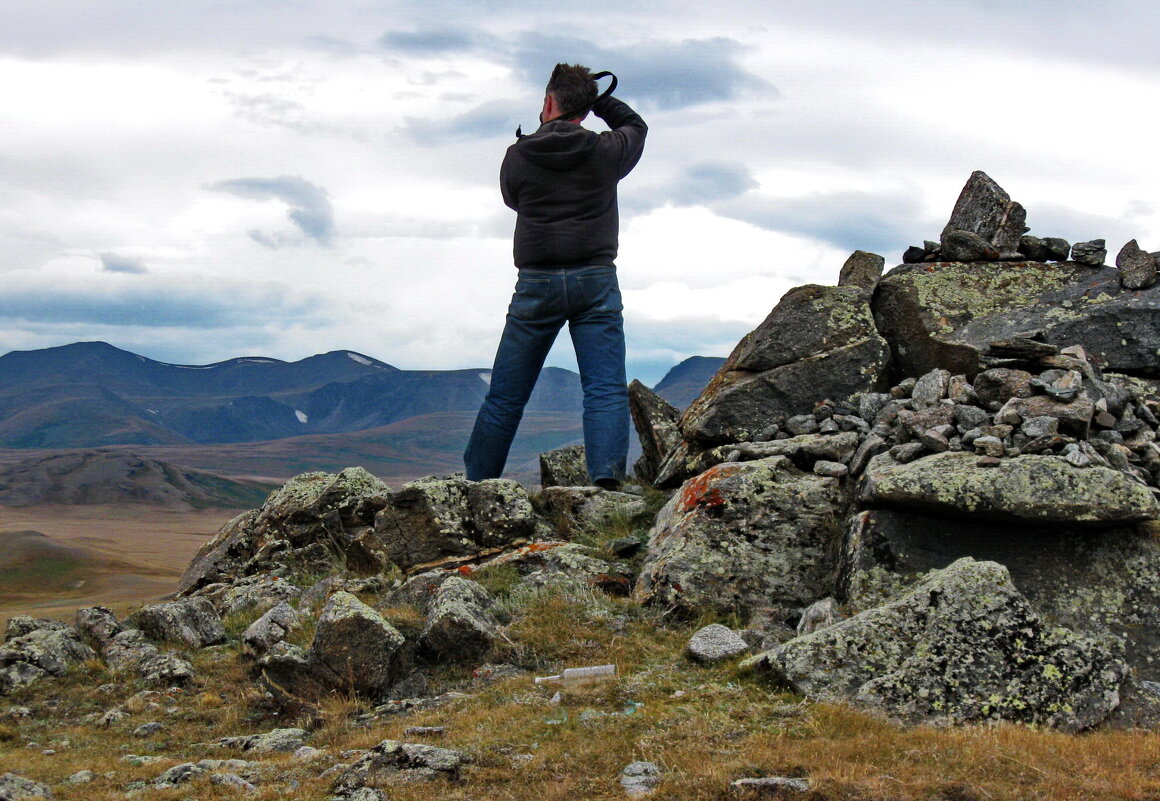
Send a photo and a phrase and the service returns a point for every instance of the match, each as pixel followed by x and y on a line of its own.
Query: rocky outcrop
pixel 962 645
pixel 446 521
pixel 744 537
pixel 1101 582
pixel 947 314
pixel 315 520
pixel 35 649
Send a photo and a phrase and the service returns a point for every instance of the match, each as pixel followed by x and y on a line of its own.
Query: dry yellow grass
pixel 705 726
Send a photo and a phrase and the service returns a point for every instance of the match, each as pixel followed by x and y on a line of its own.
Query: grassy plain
pixel 56 559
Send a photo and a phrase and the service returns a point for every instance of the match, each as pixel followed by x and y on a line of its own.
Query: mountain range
pixel 266 418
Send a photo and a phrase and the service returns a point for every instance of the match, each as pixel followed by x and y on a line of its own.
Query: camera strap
pixel 571 115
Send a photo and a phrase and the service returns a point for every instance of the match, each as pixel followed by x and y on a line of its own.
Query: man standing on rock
pixel 561 181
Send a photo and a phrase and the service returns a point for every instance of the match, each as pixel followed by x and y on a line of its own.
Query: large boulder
pixel 818 342
pixel 1027 489
pixel 742 538
pixel 354 646
pixel 962 645
pixel 310 512
pixel 946 314
pixel 459 627
pixel 192 622
pixel 1103 583
pixel 445 521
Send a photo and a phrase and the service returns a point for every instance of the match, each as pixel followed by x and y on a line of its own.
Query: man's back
pixel 562 182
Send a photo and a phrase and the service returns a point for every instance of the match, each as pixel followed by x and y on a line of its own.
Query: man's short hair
pixel 573 88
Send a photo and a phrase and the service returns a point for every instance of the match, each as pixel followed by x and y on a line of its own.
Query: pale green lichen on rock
pixel 962 643
pixel 983 288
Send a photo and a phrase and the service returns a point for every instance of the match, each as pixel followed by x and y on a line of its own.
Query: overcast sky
pixel 194 181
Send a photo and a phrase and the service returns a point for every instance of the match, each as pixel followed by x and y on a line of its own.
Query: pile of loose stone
pixel 1046 401
pixel 1041 400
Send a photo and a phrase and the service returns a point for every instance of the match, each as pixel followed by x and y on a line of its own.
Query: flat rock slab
pixel 1034 489
pixel 946 314
pixel 715 643
pixel 962 645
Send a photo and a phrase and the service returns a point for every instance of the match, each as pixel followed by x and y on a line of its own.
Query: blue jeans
pixel 588 299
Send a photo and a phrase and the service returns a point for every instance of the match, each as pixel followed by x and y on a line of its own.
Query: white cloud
pixel 781 137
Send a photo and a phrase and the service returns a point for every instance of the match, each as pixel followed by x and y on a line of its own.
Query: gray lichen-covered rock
pixel 270 628
pixel 782 788
pixel 1101 583
pixel 354 646
pixel 1137 267
pixel 459 628
pixel 819 615
pixel 640 778
pixel 657 424
pixel 53 650
pixel 715 643
pixel 818 342
pixel 192 622
pixel 962 645
pixel 1091 253
pixel 18 788
pixel 97 625
pixel 275 741
pixel 443 521
pixel 312 511
pixel 578 509
pixel 129 650
pixel 391 762
pixel 564 467
pixel 19 625
pixel 256 593
pixel 947 314
pixel 17 675
pixel 1028 489
pixel 862 269
pixel 743 537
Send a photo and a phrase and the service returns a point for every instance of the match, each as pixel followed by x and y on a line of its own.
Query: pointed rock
pixel 656 422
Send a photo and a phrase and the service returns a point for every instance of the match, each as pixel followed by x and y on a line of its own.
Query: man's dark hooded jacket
pixel 561 181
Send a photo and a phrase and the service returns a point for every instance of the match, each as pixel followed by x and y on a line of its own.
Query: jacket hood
pixel 558 145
